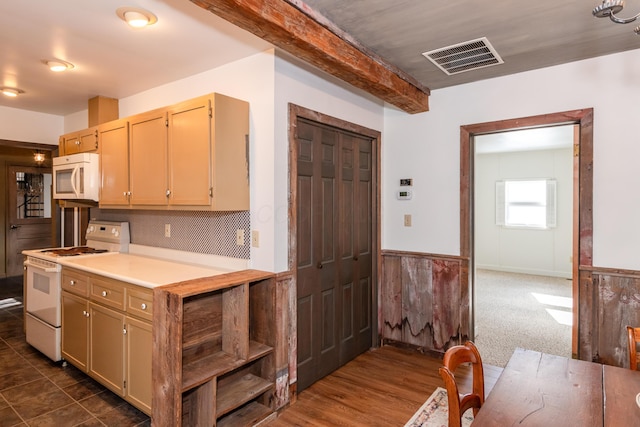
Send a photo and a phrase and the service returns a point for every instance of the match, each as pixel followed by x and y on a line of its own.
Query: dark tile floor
pixel 34 391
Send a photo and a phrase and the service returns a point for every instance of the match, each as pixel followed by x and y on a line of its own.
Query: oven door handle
pixel 45 269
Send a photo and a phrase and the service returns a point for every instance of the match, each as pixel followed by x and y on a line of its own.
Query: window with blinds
pixel 526 203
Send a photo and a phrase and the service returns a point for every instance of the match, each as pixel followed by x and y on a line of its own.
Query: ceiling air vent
pixel 465 56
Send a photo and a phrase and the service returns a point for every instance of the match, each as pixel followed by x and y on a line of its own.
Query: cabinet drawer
pixel 107 293
pixel 140 302
pixel 75 283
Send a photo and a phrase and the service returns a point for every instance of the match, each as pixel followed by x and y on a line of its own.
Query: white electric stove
pixel 43 281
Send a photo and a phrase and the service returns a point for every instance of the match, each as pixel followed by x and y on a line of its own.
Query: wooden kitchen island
pixel 213 350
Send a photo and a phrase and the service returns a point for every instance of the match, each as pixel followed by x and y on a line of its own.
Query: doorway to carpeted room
pixel 521 310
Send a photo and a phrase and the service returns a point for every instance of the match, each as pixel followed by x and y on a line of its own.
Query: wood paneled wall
pixel 609 299
pixel 286 344
pixel 424 300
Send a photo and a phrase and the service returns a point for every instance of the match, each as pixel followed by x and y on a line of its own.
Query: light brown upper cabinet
pixel 190 156
pixel 114 163
pixel 148 159
pixel 83 141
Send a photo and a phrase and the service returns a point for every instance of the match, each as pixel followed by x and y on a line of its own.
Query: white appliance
pixel 43 282
pixel 76 177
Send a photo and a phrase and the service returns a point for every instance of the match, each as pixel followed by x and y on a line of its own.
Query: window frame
pixel 550 205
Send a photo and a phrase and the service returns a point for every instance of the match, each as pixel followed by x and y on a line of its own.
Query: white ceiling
pixel 548 138
pixel 115 61
pixel 111 59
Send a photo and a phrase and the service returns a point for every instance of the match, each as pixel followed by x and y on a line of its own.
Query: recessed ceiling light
pixel 58 65
pixel 11 91
pixel 136 17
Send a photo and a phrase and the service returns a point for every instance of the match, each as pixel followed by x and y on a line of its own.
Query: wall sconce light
pixel 38 157
pixel 608 9
pixel 136 17
pixel 11 92
pixel 58 66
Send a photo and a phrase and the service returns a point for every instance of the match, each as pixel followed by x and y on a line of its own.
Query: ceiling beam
pixel 297 29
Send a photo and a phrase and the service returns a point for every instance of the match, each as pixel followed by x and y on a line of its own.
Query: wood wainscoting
pixel 424 300
pixel 609 299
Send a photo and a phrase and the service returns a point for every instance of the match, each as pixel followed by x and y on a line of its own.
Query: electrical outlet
pixel 240 237
pixel 167 230
pixel 407 220
pixel 255 238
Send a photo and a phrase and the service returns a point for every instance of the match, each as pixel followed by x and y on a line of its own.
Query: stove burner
pixel 73 251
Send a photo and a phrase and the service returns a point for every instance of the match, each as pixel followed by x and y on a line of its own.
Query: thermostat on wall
pixel 404 195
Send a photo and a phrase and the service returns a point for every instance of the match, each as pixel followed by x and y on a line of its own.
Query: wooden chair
pixel 459 404
pixel 634 338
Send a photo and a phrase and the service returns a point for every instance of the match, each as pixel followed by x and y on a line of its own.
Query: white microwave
pixel 76 177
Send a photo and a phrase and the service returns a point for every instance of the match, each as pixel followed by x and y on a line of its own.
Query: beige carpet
pixel 521 310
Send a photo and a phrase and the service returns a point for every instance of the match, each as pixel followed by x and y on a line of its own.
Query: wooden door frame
pixel 582 206
pixel 296 112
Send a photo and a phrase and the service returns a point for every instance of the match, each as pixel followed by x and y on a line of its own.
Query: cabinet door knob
pixel 72 282
pixel 104 293
pixel 143 306
pixel 124 331
pixel 319 265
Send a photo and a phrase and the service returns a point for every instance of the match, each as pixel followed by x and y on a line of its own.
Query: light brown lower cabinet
pixel 75 336
pixel 107 333
pixel 106 347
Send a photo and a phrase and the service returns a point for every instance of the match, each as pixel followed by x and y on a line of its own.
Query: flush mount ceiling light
pixel 608 9
pixel 57 65
pixel 136 17
pixel 11 91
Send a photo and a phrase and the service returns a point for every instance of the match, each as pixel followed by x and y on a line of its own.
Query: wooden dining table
pixel 539 389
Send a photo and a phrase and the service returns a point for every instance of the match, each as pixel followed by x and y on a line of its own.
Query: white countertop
pixel 140 270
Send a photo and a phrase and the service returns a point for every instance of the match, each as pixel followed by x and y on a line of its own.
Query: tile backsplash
pixel 193 231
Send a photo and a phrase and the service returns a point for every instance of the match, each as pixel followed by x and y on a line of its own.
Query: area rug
pixel 435 412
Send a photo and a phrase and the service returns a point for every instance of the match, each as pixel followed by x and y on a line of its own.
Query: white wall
pixel 303 85
pixel 426 147
pixel 29 126
pixel 521 250
pixel 268 82
pixel 250 79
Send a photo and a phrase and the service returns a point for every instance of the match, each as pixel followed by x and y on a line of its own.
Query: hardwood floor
pixel 382 387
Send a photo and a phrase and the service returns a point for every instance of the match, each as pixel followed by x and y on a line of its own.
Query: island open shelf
pixel 213 341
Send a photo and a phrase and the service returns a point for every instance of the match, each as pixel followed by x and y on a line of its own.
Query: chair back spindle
pixel 459 404
pixel 633 335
